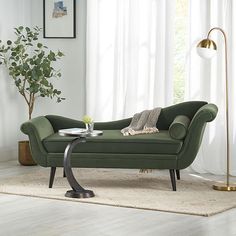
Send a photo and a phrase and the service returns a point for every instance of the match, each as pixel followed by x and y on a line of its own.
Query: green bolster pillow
pixel 178 128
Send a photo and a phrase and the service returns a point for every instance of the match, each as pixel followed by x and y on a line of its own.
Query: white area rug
pixel 127 188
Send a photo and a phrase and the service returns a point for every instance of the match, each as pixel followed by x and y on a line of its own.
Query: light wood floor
pixel 26 216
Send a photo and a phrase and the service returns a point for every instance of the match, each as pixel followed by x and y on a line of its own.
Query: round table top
pixel 78 132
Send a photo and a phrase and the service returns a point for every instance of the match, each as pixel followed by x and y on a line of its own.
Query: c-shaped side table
pixel 77 190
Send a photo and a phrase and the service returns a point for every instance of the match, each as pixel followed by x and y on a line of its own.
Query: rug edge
pixel 206 214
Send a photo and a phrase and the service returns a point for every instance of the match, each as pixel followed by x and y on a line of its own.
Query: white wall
pixel 13 110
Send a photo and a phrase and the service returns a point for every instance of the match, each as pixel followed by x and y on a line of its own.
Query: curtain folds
pixel 129 56
pixel 206 81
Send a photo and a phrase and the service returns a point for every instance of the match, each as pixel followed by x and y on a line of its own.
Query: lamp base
pixel 224 187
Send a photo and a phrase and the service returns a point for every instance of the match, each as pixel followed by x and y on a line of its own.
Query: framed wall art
pixel 59 18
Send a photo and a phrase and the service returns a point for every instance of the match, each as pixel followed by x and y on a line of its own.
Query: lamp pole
pixel 210 44
pixel 226 103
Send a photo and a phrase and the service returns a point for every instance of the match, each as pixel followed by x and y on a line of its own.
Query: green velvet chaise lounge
pixel 174 148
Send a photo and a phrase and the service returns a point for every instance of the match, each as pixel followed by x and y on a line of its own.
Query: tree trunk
pixel 31 106
pixel 30 112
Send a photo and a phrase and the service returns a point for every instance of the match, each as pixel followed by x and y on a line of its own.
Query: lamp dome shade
pixel 206 48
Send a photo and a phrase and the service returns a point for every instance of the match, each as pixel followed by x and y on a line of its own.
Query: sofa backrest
pixel 168 114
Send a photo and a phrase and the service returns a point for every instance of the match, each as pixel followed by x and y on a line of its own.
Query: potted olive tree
pixel 30 65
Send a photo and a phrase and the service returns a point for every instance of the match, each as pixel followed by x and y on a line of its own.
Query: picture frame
pixel 59 19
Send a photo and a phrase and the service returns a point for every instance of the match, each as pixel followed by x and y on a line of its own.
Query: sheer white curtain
pixel 206 81
pixel 129 56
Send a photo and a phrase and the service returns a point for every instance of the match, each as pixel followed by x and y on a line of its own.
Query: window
pixel 181 42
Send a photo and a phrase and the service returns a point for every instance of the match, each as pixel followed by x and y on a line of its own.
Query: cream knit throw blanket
pixel 143 123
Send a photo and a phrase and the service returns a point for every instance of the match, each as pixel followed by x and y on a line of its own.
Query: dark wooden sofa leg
pixel 64 173
pixel 172 177
pixel 52 175
pixel 178 174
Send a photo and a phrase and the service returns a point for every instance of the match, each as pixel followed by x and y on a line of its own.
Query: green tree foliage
pixel 30 65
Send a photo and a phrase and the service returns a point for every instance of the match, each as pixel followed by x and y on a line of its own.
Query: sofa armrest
pixel 192 141
pixel 37 129
pixel 206 113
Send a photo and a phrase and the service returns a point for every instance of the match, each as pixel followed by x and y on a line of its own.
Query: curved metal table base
pixel 77 190
pixel 80 194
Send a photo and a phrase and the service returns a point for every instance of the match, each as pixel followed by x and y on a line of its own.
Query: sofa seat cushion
pixel 112 141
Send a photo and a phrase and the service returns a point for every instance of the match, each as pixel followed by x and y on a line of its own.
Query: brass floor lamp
pixel 207 49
